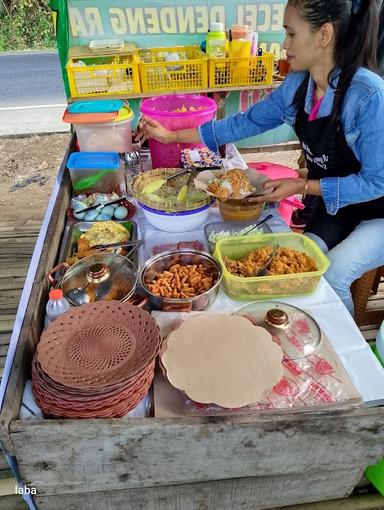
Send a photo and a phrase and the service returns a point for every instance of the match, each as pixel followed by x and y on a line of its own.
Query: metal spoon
pixel 262 271
pixel 258 224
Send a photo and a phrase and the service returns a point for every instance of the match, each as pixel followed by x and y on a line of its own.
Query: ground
pixel 28 167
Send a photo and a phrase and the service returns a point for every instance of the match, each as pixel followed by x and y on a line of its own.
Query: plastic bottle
pixel 216 41
pixel 57 304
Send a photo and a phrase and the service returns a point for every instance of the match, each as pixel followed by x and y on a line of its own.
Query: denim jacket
pixel 362 118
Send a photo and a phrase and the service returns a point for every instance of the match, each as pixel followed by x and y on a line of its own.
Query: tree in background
pixel 25 24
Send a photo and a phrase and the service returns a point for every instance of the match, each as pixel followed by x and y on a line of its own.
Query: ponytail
pixel 356 24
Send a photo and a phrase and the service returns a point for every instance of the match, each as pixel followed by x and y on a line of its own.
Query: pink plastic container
pixel 278 172
pixel 162 108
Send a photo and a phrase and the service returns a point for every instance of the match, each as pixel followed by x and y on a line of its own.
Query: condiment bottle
pixel 216 41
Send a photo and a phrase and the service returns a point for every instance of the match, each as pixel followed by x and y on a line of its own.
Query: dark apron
pixel 328 155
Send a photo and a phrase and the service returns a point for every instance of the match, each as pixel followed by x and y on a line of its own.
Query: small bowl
pixel 237 210
pixel 163 261
pixel 176 221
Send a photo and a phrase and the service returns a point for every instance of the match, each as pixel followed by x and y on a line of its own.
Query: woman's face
pixel 302 44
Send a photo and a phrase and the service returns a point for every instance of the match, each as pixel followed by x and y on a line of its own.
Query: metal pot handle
pixel 51 279
pixel 134 300
pixel 177 307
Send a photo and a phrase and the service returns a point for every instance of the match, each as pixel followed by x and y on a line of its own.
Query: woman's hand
pixel 281 188
pixel 149 128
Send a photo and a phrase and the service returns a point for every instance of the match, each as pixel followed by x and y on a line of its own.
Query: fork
pixel 262 271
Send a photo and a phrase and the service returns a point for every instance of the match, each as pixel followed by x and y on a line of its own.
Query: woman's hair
pixel 356 29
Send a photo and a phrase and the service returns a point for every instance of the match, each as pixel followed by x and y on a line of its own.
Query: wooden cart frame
pixel 214 463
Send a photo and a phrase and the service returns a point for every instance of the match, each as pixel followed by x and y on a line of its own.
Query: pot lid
pixel 104 276
pixel 293 329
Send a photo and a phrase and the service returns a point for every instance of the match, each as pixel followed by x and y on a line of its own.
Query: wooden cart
pixel 232 463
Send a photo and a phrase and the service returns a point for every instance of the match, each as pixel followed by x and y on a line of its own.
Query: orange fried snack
pixel 286 261
pixel 181 281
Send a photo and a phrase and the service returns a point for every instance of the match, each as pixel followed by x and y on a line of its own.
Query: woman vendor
pixel 335 102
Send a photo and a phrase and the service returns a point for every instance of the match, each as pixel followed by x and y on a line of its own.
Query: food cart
pixel 265 459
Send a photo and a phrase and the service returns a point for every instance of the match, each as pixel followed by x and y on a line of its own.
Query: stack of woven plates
pixel 95 361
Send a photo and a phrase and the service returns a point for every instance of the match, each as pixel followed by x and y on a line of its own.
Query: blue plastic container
pixel 96 172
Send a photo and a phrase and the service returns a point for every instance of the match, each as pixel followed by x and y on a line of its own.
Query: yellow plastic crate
pixel 104 76
pixel 188 72
pixel 237 72
pixel 268 287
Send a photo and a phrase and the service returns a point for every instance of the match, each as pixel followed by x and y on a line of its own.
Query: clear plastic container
pixel 114 136
pixel 57 305
pixel 265 287
pixel 236 228
pixel 238 210
pixel 96 172
pixel 239 31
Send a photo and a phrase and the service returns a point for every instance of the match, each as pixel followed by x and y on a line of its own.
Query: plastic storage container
pixel 114 136
pixel 238 228
pixel 173 68
pixel 274 171
pixel 104 75
pixel 239 31
pixel 265 287
pixel 57 305
pixel 96 172
pixel 237 210
pixel 238 71
pixel 194 110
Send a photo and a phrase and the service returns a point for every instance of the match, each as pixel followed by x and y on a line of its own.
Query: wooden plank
pixel 31 329
pixel 6 324
pixel 14 502
pixel 63 455
pixel 264 492
pixel 13 283
pixel 4 338
pixel 363 502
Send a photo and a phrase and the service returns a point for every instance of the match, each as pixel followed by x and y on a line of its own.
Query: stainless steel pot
pixel 163 261
pixel 104 276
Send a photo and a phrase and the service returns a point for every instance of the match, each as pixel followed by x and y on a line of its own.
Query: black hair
pixel 356 30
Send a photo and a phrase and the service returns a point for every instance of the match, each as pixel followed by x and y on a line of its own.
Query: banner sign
pixel 156 23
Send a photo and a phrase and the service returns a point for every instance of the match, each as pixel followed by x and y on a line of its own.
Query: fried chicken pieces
pixel 286 261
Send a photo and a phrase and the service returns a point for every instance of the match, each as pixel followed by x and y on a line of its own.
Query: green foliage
pixel 25 24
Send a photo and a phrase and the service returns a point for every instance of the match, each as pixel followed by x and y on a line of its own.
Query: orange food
pixel 231 184
pixel 286 261
pixel 181 281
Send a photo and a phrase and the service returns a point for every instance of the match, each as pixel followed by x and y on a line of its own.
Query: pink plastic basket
pixel 274 171
pixel 199 109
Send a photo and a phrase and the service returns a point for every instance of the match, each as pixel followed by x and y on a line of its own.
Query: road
pixel 32 96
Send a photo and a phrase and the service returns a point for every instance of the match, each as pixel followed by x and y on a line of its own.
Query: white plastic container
pixel 115 136
pixel 176 222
